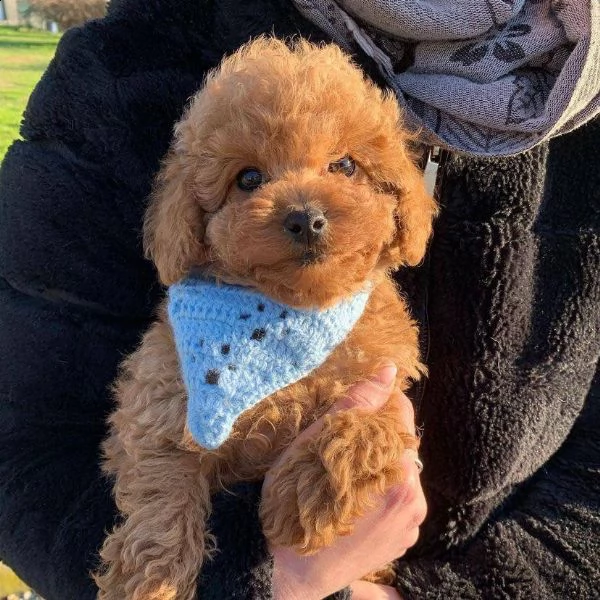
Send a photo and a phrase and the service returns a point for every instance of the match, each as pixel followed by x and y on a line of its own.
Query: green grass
pixel 9 582
pixel 24 55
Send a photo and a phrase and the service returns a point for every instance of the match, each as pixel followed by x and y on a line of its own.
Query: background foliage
pixel 68 13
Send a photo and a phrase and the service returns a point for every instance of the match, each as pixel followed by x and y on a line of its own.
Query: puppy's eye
pixel 249 179
pixel 345 165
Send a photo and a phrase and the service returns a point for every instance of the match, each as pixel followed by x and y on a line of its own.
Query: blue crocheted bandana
pixel 237 347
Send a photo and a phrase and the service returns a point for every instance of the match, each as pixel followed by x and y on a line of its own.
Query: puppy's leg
pixel 333 478
pixel 157 552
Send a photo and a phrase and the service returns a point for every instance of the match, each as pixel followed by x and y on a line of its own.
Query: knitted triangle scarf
pixel 485 77
pixel 236 347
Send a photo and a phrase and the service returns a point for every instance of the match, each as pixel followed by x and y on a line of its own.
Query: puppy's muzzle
pixel 306 226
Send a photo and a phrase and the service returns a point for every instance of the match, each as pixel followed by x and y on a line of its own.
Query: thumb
pixel 371 393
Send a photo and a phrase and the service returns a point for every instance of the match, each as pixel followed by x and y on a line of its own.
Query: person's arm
pixel 510 408
pixel 75 294
pixel 56 361
pixel 543 541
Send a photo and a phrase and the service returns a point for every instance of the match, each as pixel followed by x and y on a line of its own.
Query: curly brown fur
pixel 289 113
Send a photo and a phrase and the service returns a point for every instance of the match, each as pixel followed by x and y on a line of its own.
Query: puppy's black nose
pixel 305 226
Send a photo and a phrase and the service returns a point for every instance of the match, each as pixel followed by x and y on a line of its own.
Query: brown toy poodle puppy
pixel 274 131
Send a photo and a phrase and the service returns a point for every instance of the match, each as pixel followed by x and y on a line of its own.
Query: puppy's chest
pixel 260 434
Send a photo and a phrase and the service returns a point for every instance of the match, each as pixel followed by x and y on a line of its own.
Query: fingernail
pixel 386 375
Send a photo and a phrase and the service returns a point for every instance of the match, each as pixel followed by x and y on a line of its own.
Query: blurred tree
pixel 68 13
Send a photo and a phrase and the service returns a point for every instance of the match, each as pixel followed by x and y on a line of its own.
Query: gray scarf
pixel 485 77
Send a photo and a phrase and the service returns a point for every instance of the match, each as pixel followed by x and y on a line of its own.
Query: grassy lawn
pixel 9 582
pixel 24 55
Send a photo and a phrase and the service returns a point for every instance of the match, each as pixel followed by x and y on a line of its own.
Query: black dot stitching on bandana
pixel 284 314
pixel 201 343
pixel 261 307
pixel 232 367
pixel 212 376
pixel 258 335
pixel 244 316
pixel 225 348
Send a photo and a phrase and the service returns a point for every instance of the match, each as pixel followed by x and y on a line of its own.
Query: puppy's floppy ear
pixel 174 222
pixel 396 174
pixel 415 211
pixel 393 168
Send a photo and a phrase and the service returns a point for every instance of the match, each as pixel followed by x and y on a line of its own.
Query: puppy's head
pixel 289 172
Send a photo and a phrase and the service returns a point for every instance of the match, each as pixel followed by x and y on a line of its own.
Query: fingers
pixel 407 412
pixel 370 394
pixel 364 590
pixel 408 495
pixel 373 393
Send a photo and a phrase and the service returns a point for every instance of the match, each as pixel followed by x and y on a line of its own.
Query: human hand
pixel 365 590
pixel 382 534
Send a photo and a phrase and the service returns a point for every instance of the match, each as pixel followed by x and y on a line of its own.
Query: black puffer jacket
pixel 509 298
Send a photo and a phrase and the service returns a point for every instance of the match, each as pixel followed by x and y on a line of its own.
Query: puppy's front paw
pixel 321 489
